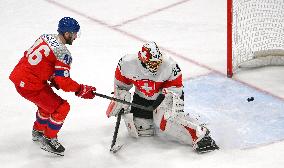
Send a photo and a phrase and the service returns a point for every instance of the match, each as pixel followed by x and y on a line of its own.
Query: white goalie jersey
pixel 131 72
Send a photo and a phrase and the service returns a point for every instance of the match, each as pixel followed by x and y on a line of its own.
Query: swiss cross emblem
pixel 146 86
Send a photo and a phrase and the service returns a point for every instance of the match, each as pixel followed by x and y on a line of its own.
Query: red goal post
pixel 255 34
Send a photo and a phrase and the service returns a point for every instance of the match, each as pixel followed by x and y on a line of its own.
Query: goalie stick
pixel 114 148
pixel 158 101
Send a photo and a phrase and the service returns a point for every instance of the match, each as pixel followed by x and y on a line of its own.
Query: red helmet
pixel 150 56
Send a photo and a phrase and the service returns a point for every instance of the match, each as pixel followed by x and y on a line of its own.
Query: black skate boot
pixel 206 144
pixel 36 135
pixel 52 146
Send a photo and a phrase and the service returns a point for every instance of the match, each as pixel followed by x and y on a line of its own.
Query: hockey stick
pixel 158 101
pixel 114 148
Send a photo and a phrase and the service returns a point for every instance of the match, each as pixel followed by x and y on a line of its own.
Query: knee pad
pixel 145 127
pixel 61 112
pixel 42 113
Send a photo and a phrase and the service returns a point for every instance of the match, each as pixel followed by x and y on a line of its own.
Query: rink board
pixel 222 104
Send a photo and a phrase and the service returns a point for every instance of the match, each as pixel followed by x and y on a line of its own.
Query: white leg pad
pixel 145 127
pixel 171 120
pixel 182 120
pixel 129 123
pixel 175 127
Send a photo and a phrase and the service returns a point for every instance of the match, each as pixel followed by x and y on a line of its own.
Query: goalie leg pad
pixel 171 119
pixel 189 133
pixel 145 127
pixel 129 123
pixel 176 132
pixel 138 126
pixel 179 128
pixel 171 106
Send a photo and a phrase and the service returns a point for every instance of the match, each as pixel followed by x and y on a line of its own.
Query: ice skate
pixel 206 144
pixel 52 145
pixel 36 135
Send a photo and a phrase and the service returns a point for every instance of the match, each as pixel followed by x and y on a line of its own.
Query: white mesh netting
pixel 258 33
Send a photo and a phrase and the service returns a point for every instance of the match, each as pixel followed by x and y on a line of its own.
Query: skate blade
pixel 207 150
pixel 50 151
pixel 115 149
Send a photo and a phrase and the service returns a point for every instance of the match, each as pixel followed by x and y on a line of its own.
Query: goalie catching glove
pixel 114 107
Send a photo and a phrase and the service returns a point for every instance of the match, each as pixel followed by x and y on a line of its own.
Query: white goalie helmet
pixel 150 56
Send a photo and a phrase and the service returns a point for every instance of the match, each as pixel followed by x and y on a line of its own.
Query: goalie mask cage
pixel 255 33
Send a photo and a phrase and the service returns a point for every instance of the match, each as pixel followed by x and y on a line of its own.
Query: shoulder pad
pixel 59 49
pixel 127 60
pixel 173 64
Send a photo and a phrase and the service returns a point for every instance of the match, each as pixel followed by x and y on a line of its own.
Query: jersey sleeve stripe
pixel 122 78
pixel 63 73
pixel 62 67
pixel 177 82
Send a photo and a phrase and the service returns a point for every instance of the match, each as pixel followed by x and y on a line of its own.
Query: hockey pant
pixel 52 109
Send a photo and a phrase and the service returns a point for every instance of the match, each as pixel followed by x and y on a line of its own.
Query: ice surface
pixel 191 31
pixel 235 122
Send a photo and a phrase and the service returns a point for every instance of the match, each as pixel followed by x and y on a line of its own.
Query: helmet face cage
pixel 151 56
pixel 68 24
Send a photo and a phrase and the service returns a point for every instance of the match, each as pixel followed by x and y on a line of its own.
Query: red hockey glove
pixel 86 92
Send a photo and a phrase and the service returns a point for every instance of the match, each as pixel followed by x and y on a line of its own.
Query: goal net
pixel 255 34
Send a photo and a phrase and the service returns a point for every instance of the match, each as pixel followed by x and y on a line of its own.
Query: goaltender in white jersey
pixel 152 74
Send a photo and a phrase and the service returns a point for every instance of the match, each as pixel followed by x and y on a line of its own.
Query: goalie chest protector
pixel 130 72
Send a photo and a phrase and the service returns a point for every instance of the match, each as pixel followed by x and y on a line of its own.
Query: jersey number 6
pixel 35 55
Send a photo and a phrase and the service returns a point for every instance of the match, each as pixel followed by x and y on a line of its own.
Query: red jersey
pixel 47 58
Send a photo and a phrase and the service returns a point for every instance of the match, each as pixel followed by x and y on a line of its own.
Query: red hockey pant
pixel 52 109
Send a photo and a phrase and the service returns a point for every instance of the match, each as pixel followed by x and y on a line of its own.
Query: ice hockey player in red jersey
pixel 47 63
pixel 152 74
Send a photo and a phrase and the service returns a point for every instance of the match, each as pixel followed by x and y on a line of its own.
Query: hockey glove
pixel 86 92
pixel 114 107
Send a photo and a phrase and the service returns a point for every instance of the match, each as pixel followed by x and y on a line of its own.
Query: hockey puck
pixel 250 99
